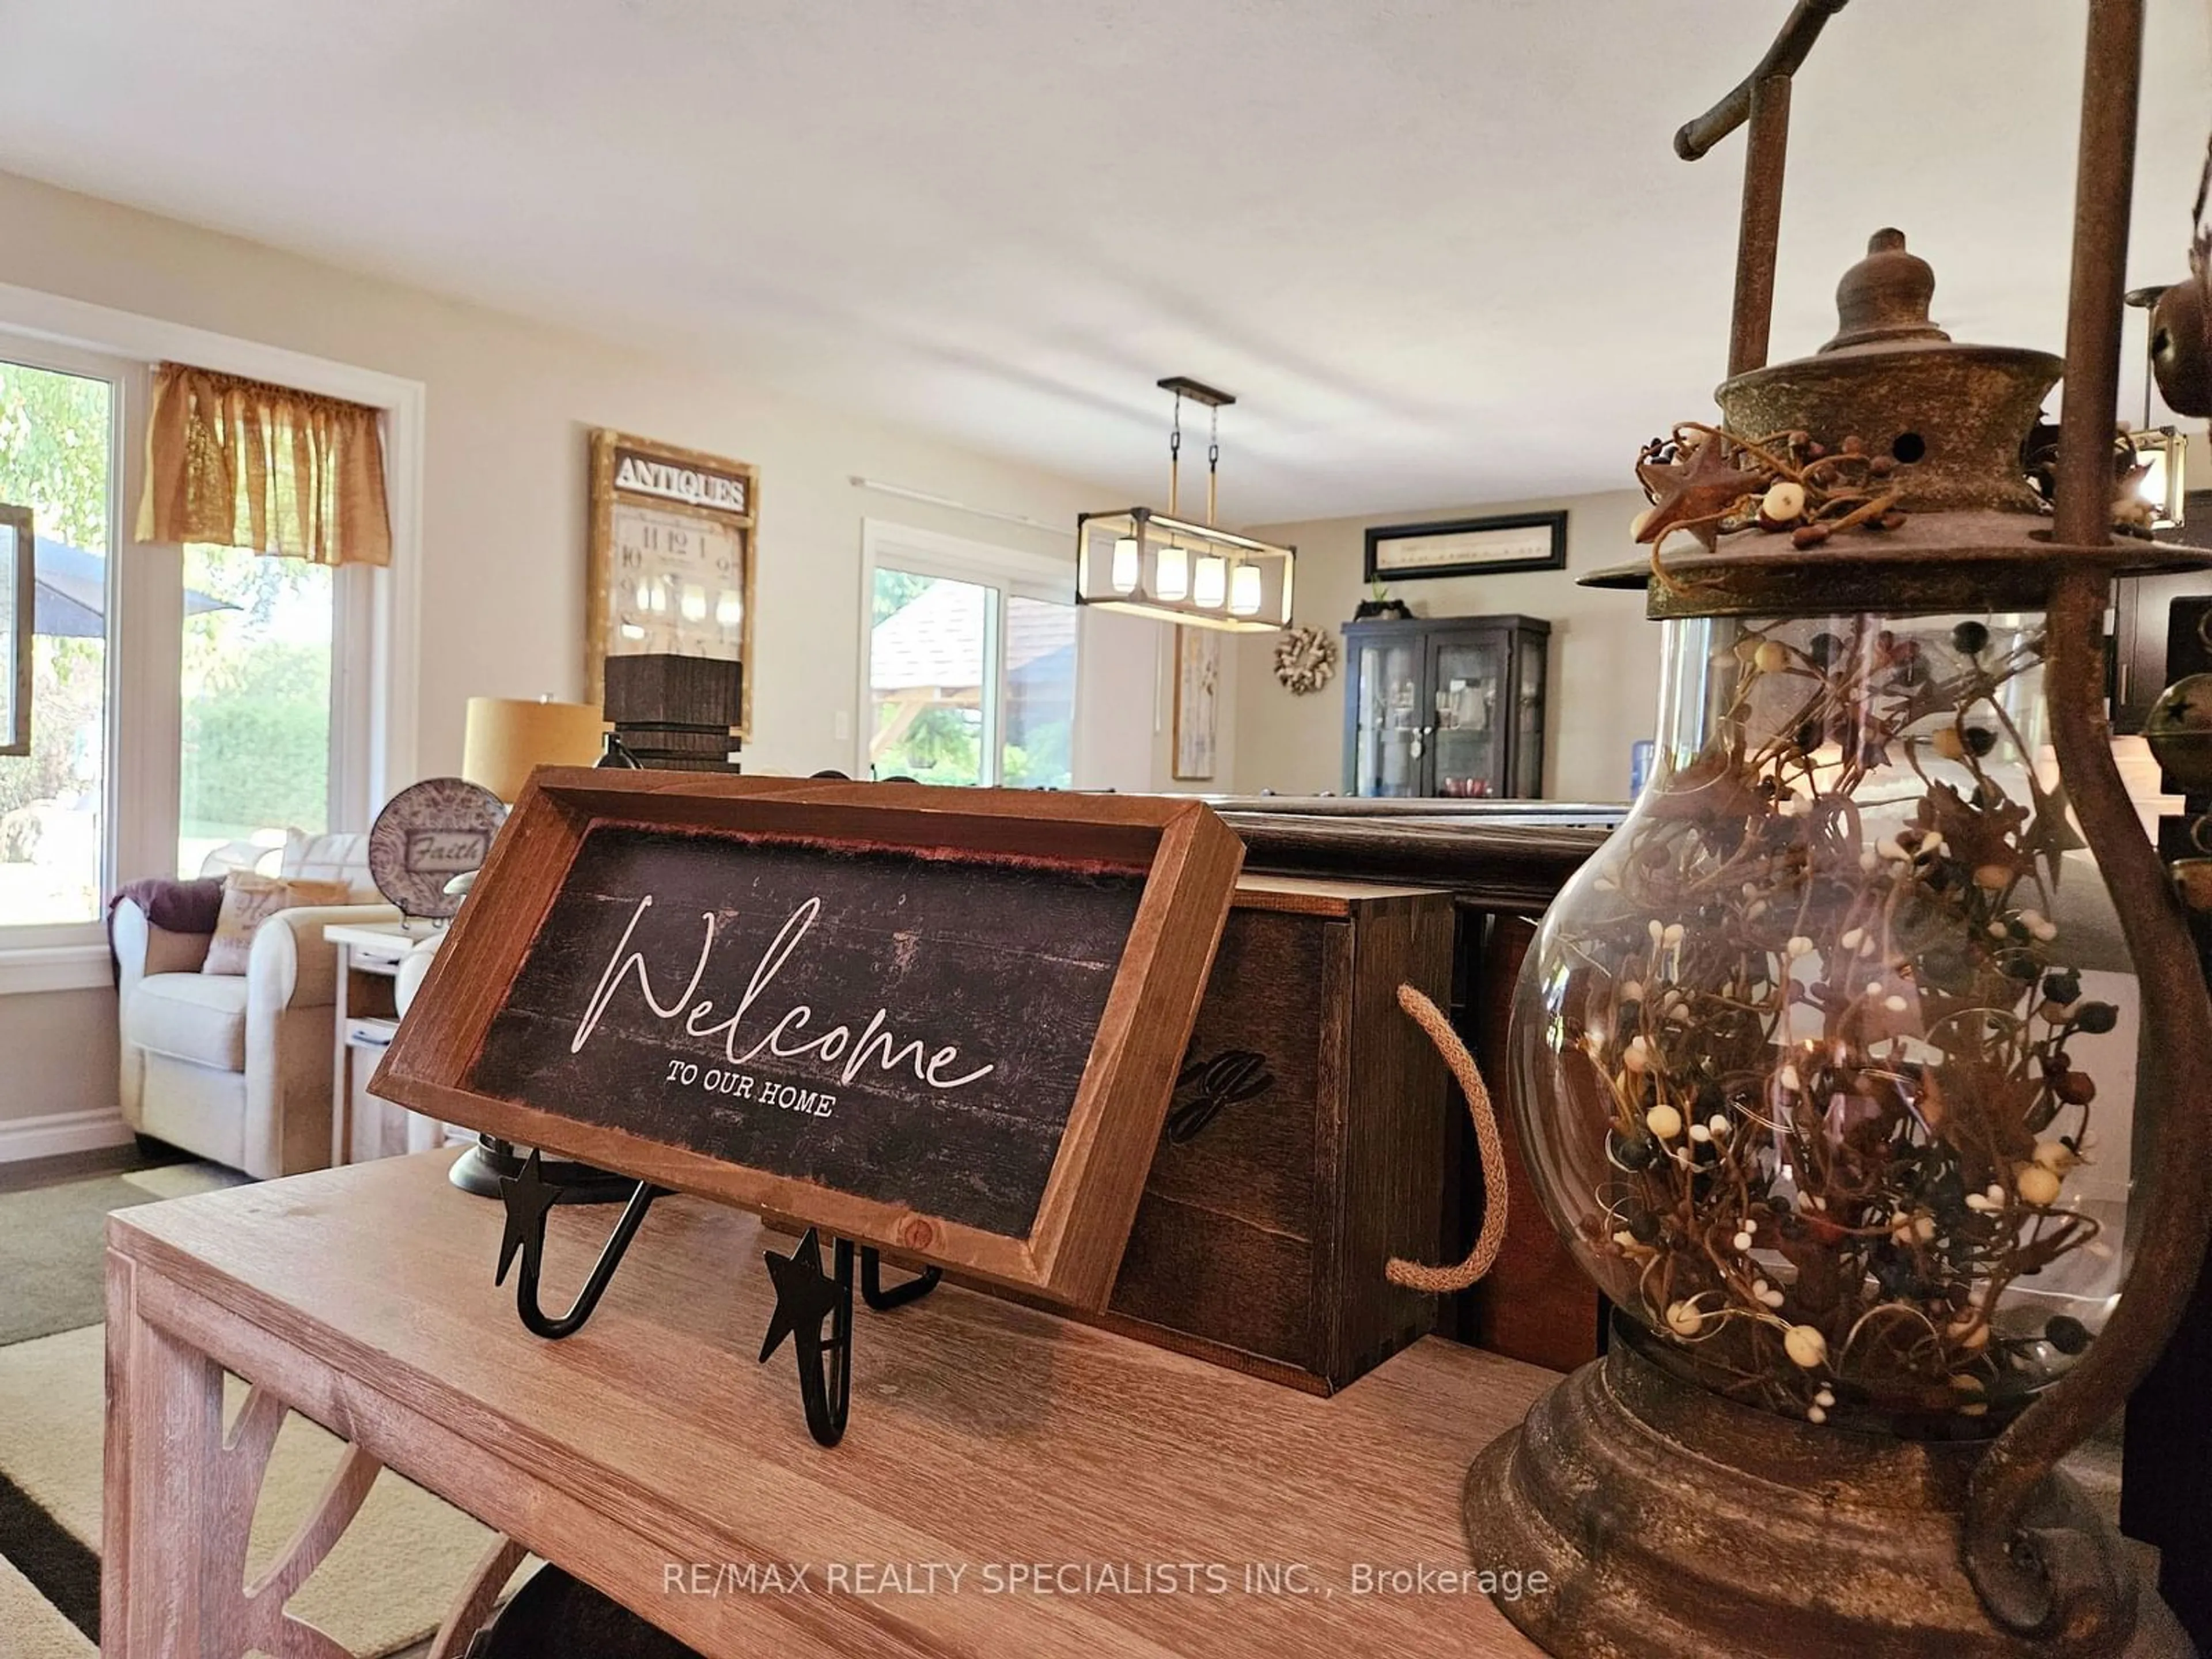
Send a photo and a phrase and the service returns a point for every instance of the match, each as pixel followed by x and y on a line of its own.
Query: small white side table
pixel 364 1017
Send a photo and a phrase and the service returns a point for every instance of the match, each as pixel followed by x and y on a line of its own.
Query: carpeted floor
pixel 51 1261
pixel 382 1590
pixel 35 1630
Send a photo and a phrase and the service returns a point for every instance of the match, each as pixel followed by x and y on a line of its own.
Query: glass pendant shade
pixel 1244 591
pixel 1148 564
pixel 1127 564
pixel 1827 1058
pixel 1171 572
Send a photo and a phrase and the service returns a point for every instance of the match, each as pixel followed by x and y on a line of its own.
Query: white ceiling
pixel 1441 249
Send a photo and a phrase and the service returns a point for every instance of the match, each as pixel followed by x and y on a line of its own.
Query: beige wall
pixel 58 1055
pixel 1604 655
pixel 504 516
pixel 503 510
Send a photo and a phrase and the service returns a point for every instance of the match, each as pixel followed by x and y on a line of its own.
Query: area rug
pixel 52 1243
pixel 383 1588
pixel 35 1630
pixel 184 1180
pixel 387 1585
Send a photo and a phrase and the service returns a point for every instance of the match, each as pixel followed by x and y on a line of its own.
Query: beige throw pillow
pixel 248 901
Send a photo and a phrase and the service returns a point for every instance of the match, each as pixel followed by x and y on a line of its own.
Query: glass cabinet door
pixel 1469 716
pixel 1529 723
pixel 1387 756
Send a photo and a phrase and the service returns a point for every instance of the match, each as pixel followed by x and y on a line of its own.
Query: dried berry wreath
pixel 1305 659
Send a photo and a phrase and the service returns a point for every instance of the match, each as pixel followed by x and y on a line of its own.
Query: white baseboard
pixel 61 1132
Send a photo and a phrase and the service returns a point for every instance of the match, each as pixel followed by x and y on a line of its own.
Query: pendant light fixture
pixel 1161 566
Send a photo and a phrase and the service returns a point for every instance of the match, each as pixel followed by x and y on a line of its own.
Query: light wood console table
pixel 1062 1470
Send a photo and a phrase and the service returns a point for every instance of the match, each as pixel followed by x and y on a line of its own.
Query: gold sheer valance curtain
pixel 241 463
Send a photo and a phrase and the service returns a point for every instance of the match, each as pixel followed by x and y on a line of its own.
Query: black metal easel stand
pixel 807 1299
pixel 813 1308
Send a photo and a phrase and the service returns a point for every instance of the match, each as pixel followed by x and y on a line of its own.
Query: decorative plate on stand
pixel 427 833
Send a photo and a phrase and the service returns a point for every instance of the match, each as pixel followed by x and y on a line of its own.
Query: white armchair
pixel 237 1068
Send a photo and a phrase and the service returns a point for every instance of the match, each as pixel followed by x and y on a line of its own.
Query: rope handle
pixel 1491 1239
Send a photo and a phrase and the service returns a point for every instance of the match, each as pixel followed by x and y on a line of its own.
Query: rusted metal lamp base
pixel 1673 1524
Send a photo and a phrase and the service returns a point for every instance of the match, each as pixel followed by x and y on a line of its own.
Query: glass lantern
pixel 1826 1062
pixel 1829 1056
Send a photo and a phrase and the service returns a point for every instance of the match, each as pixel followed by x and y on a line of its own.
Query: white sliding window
pixel 970 663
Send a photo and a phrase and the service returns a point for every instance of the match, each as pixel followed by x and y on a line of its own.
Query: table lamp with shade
pixel 508 738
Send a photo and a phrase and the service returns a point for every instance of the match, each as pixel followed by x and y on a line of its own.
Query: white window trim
pixel 64 956
pixel 28 969
pixel 391 623
pixel 1025 574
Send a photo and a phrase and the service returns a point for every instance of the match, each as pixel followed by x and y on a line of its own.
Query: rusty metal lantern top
pixel 1952 419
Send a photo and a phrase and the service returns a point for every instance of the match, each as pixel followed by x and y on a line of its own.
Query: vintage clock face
pixel 671 556
pixel 678 585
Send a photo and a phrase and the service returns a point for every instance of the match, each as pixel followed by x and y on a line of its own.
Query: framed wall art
pixel 1197 693
pixel 671 558
pixel 1467 547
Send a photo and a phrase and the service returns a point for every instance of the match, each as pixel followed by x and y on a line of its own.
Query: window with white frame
pixel 58 457
pixel 970 663
pixel 191 706
pixel 256 753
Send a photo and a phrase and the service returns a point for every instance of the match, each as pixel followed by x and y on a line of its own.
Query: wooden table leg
pixel 164 1441
pixel 181 1496
pixel 472 1608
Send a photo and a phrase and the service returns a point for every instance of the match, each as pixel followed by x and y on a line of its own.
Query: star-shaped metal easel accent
pixel 1693 495
pixel 804 1296
pixel 529 1197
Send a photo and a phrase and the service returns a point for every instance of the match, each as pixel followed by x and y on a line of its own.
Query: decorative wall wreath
pixel 1305 659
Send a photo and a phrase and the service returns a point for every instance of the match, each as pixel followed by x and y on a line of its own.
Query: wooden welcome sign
pixel 943 1021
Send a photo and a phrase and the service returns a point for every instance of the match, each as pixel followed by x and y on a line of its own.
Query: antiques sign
pixel 646 474
pixel 909 1029
pixel 946 1023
